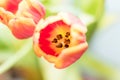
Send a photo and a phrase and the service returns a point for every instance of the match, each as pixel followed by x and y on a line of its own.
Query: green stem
pixel 39 68
pixel 15 58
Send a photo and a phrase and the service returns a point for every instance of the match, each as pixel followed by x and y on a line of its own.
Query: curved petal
pixel 5 16
pixel 70 55
pixel 37 50
pixel 31 9
pixel 10 5
pixel 73 21
pixel 22 27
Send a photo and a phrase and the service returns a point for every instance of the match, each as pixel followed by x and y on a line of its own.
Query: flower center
pixel 62 41
pixel 55 37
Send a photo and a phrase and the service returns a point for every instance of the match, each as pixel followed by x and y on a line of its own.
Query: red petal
pixel 31 9
pixel 37 10
pixel 10 5
pixel 22 27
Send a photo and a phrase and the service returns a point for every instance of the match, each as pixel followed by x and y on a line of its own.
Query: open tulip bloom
pixel 60 39
pixel 21 16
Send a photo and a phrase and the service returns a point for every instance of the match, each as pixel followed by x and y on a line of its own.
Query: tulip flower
pixel 21 16
pixel 60 39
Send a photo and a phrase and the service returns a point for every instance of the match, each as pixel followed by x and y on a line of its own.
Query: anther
pixel 54 40
pixel 66 45
pixel 59 45
pixel 67 34
pixel 59 36
pixel 67 41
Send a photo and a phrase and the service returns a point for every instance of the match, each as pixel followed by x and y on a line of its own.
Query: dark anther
pixel 67 34
pixel 54 40
pixel 67 41
pixel 59 36
pixel 59 45
pixel 66 46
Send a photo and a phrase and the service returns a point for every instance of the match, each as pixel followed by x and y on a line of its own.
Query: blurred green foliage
pixel 92 7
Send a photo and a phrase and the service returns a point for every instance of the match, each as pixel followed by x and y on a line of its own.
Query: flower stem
pixel 15 58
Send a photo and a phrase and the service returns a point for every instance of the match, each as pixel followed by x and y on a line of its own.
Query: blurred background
pixel 100 62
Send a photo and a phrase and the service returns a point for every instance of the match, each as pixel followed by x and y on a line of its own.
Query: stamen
pixel 54 40
pixel 59 36
pixel 66 46
pixel 59 45
pixel 67 41
pixel 67 34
